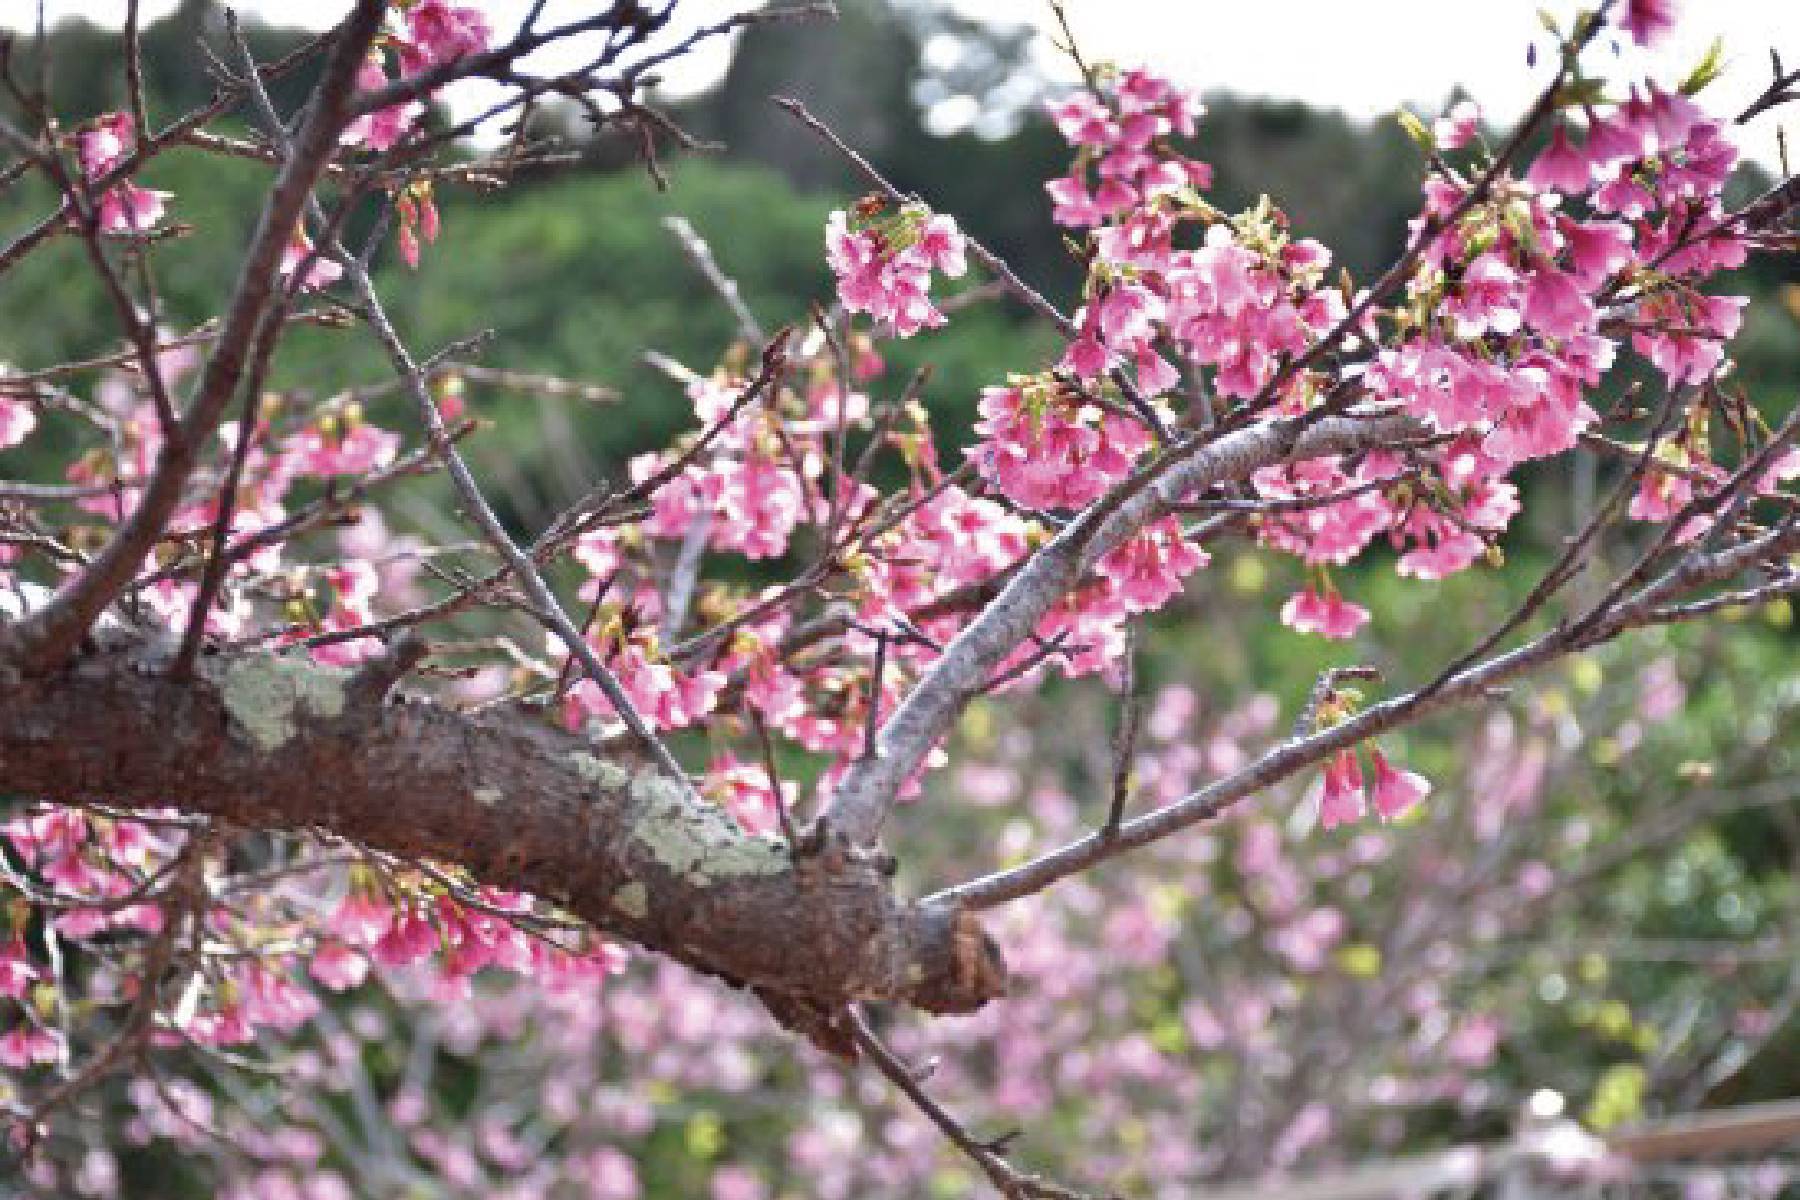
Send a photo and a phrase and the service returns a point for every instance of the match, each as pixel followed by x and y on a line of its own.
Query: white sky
pixel 1364 57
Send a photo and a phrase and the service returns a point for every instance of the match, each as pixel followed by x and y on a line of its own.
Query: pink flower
pixel 1561 167
pixel 611 1176
pixel 381 129
pixel 322 272
pixel 738 1183
pixel 1074 206
pixel 1782 468
pixel 124 207
pixel 1660 495
pixel 1395 791
pixel 106 143
pixel 1047 448
pixel 338 967
pixel 1488 298
pixel 16 420
pixel 361 918
pixel 25 1046
pixel 884 265
pixel 327 448
pixel 1457 128
pixel 1624 196
pixel 942 243
pixel 1555 304
pixel 129 208
pixel 410 938
pixel 445 32
pixel 1147 570
pixel 1613 140
pixel 1596 250
pixel 1126 316
pixel 1329 615
pixel 16 971
pixel 1685 357
pixel 1341 798
pixel 418 219
pixel 1083 120
pixel 1473 1042
pixel 1648 20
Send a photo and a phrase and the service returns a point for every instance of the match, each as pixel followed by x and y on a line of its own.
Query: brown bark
pixel 272 743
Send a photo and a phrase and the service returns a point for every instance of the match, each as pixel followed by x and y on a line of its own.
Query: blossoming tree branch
pixel 245 764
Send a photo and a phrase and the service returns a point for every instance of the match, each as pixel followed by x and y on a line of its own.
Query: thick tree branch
pixel 275 743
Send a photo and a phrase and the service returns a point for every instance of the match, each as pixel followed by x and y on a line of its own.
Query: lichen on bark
pixel 701 844
pixel 267 696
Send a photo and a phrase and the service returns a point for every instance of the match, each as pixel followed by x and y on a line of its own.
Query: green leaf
pixel 1709 68
pixel 1416 130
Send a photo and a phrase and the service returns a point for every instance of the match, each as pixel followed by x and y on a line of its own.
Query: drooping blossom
pixel 1648 20
pixel 342 443
pixel 125 207
pixel 383 128
pixel 321 272
pixel 1325 613
pixel 1341 797
pixel 1395 792
pixel 1046 446
pixel 1146 572
pixel 1561 166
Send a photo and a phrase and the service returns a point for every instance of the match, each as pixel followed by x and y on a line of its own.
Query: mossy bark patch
pixel 598 771
pixel 698 842
pixel 633 900
pixel 268 696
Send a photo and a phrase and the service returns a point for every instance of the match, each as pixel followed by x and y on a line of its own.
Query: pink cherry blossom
pixel 1147 570
pixel 342 446
pixel 338 967
pixel 1556 305
pixel 1561 166
pixel 1394 791
pixel 446 32
pixel 16 971
pixel 1648 20
pixel 1458 127
pixel 25 1046
pixel 382 129
pixel 1489 298
pixel 125 207
pixel 17 420
pixel 322 272
pixel 884 264
pixel 1596 250
pixel 1341 798
pixel 1328 615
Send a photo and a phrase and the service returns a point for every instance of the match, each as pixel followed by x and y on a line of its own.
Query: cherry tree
pixel 256 751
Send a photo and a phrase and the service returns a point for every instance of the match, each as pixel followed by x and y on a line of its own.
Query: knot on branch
pixel 377 676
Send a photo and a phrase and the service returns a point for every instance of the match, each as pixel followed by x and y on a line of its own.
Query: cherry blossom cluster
pixel 124 207
pixel 884 259
pixel 420 35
